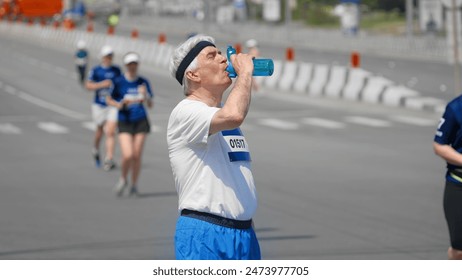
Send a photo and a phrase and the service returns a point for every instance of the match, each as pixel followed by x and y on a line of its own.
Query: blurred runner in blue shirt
pixel 210 156
pixel 448 145
pixel 129 94
pixel 105 117
pixel 81 60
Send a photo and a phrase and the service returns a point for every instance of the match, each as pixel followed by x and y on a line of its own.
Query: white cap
pixel 106 50
pixel 131 57
pixel 251 43
pixel 81 45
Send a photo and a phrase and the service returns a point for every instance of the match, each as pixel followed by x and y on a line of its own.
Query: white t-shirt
pixel 212 173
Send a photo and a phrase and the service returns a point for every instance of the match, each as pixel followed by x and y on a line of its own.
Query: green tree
pixel 315 12
pixel 389 5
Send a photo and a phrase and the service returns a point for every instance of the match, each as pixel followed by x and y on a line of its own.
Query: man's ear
pixel 193 76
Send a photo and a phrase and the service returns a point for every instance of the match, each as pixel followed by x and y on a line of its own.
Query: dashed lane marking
pixel 279 124
pixel 53 128
pixel 156 128
pixel 368 121
pixel 324 123
pixel 8 128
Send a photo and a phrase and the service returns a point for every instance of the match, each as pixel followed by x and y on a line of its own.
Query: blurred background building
pixel 352 16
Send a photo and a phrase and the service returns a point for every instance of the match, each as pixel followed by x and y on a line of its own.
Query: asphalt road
pixel 336 180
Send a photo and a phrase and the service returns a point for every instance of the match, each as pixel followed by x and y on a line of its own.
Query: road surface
pixel 336 180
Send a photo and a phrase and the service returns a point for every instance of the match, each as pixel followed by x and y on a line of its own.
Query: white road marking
pixel 156 128
pixel 50 106
pixel 415 121
pixel 52 127
pixel 11 90
pixel 323 123
pixel 89 125
pixel 279 124
pixel 8 128
pixel 368 121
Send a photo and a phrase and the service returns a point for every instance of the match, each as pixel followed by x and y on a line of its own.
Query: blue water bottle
pixel 261 66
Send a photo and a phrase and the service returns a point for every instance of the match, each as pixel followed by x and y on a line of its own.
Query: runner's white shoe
pixel 120 187
pixel 109 164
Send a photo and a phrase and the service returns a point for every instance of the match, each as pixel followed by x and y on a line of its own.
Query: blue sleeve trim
pixel 232 132
pixel 239 156
pixel 441 141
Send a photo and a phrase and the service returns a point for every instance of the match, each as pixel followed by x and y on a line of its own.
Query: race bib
pixel 102 95
pixel 134 97
pixel 237 145
pixel 80 61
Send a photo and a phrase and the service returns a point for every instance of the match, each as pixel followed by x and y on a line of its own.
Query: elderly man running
pixel 210 157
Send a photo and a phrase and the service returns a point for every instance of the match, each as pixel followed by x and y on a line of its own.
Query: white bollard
pixel 304 77
pixel 99 41
pixel 421 103
pixel 356 81
pixel 143 49
pixel 110 40
pixel 153 48
pixel 374 89
pixel 167 56
pixel 395 95
pixel 160 53
pixel 271 82
pixel 289 73
pixel 319 81
pixel 337 80
pixel 120 45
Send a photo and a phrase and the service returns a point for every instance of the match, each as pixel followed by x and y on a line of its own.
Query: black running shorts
pixel 141 126
pixel 453 212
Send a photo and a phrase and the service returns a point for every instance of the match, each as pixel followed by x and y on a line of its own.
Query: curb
pixel 351 84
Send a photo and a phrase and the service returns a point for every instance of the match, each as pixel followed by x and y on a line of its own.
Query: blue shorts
pixel 200 240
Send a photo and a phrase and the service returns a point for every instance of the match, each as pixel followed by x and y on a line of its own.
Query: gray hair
pixel 180 53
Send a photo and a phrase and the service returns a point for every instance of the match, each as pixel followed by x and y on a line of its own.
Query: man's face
pixel 107 59
pixel 132 67
pixel 212 68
